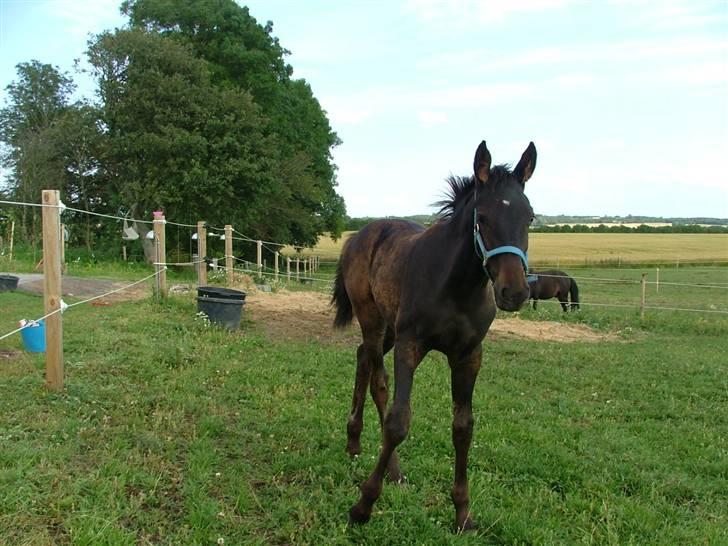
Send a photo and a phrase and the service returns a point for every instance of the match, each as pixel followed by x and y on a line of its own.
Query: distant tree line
pixel 544 219
pixel 355 224
pixel 642 228
pixel 197 114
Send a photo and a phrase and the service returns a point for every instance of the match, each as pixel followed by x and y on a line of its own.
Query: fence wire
pixel 65 306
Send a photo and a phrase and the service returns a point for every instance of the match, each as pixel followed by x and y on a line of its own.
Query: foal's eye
pixel 532 219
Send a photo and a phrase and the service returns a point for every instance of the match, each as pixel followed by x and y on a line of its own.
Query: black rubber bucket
pixel 223 306
pixel 8 283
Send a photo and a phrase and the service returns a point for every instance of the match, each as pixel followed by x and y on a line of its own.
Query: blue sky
pixel 626 101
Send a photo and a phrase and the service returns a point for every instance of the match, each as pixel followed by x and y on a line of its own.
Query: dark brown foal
pixel 419 290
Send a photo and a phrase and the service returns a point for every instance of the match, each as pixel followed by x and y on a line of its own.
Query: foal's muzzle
pixel 509 282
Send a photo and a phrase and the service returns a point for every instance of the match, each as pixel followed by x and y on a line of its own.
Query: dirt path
pixel 308 315
pixel 82 287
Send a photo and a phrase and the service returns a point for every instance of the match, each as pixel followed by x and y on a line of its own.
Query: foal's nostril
pixel 514 296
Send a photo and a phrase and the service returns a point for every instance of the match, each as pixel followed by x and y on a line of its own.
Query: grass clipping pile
pixel 309 316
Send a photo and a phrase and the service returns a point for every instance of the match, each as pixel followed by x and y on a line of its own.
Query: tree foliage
pixel 198 115
pixel 35 103
pixel 243 54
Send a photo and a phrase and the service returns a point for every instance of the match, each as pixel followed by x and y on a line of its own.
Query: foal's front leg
pixel 464 372
pixel 407 356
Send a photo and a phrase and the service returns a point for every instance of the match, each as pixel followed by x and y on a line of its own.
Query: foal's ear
pixel 526 165
pixel 481 164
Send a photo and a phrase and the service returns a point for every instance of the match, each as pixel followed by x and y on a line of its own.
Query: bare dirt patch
pixel 9 354
pixel 309 316
pixel 82 287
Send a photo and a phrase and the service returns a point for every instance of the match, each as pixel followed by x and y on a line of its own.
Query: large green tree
pixel 245 55
pixel 174 140
pixel 79 144
pixel 36 101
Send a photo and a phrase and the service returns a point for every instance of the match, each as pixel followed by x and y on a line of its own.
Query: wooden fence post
pixel 52 289
pixel 229 253
pixel 160 244
pixel 288 268
pixel 202 253
pixel 260 258
pixel 298 270
pixel 642 300
pixel 276 266
pixel 657 280
pixel 63 248
pixel 12 235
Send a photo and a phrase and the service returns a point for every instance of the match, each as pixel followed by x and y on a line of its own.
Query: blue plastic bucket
pixel 34 338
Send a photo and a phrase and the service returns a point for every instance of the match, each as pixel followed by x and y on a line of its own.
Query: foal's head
pixel 501 216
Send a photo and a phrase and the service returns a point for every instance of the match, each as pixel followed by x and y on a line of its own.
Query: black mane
pixel 460 187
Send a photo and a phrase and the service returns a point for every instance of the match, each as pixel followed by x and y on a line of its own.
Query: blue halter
pixel 486 254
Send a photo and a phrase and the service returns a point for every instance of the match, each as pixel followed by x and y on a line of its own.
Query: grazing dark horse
pixel 554 284
pixel 419 290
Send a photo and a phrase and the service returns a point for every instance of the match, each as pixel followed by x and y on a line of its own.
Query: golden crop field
pixel 595 248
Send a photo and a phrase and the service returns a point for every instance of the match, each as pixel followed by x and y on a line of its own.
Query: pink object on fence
pixel 158 213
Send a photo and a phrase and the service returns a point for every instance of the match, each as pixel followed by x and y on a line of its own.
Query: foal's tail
pixel 344 311
pixel 574 293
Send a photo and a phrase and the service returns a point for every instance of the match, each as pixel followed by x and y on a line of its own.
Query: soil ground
pixel 308 315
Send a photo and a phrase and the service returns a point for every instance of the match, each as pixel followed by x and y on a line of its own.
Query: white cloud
pixel 708 73
pixel 430 118
pixel 627 51
pixel 81 18
pixel 672 14
pixel 357 107
pixel 476 11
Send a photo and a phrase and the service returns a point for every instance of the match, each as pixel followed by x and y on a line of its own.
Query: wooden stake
pixel 288 268
pixel 159 224
pixel 260 258
pixel 63 248
pixel 12 236
pixel 229 253
pixel 52 290
pixel 657 280
pixel 298 270
pixel 642 301
pixel 202 253
pixel 276 266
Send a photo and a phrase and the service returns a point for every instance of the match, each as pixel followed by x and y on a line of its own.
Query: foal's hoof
pixel 353 448
pixel 467 525
pixel 396 476
pixel 359 515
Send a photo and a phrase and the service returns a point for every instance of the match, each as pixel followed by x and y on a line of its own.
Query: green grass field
pixel 171 431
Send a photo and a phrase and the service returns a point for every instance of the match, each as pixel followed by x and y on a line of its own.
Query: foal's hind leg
pixel 407 356
pixel 356 418
pixel 367 355
pixel 380 394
